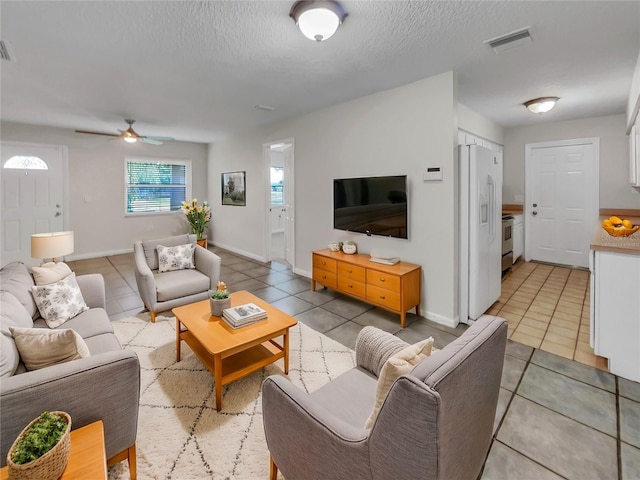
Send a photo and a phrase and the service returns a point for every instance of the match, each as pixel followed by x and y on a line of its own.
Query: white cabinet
pixel 634 155
pixel 518 237
pixel 615 311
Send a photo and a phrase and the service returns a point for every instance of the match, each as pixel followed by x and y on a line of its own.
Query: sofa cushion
pixel 9 356
pixel 60 301
pixel 90 323
pixel 12 314
pixel 150 247
pixel 107 342
pixel 179 257
pixel 180 283
pixel 16 279
pixel 40 348
pixel 398 364
pixel 50 272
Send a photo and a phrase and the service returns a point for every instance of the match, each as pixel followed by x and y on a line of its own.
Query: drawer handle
pixel 324 277
pixel 382 297
pixel 350 285
pixel 382 280
pixel 324 263
pixel 350 271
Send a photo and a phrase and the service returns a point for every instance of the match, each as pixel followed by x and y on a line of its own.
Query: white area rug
pixel 180 434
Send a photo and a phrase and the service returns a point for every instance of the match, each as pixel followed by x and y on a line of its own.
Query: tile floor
pixel 556 418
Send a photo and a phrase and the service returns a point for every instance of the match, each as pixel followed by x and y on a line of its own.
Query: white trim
pixel 528 176
pixel 441 319
pixel 244 253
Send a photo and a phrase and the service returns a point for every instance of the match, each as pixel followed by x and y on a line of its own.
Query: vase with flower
pixel 198 216
pixel 219 299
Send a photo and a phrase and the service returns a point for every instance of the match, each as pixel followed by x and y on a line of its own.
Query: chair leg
pixel 153 317
pixel 273 469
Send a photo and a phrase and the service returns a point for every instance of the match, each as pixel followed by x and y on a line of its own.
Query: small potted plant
pixel 349 247
pixel 219 299
pixel 42 448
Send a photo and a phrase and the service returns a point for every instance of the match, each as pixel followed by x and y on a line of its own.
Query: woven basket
pixel 51 465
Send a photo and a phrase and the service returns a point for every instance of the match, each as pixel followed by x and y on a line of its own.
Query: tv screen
pixel 371 205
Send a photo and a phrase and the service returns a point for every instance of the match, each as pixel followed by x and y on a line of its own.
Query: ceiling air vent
pixel 510 40
pixel 5 53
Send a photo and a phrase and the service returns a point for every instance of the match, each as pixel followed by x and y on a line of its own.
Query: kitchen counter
pixel 602 241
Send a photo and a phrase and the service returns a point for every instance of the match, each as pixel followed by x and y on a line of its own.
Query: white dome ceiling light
pixel 317 20
pixel 541 105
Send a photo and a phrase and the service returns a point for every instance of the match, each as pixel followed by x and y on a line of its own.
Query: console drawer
pixel 328 279
pixel 351 287
pixel 324 263
pixel 383 297
pixel 353 272
pixel 383 280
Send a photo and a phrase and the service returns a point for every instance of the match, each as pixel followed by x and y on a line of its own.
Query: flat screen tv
pixel 371 205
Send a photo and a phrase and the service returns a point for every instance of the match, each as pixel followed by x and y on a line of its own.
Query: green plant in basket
pixel 221 291
pixel 40 438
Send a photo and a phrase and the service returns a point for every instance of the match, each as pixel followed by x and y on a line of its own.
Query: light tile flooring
pixel 556 418
pixel 547 307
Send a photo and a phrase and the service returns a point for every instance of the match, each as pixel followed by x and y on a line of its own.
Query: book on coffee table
pixel 243 315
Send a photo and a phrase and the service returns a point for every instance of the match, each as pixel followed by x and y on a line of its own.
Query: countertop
pixel 604 242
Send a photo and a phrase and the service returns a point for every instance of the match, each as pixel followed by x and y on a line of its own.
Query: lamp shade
pixel 541 105
pixel 51 245
pixel 317 20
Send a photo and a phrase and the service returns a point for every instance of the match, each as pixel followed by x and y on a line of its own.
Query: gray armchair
pixel 435 423
pixel 164 291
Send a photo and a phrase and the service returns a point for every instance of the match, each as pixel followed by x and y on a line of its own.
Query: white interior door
pixel 33 179
pixel 289 214
pixel 561 201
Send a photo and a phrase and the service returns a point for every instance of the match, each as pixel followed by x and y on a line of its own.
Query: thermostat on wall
pixel 432 174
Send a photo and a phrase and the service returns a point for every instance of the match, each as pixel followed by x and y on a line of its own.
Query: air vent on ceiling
pixel 510 40
pixel 5 53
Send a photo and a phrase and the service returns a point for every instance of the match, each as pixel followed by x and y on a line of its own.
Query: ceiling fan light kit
pixel 541 105
pixel 317 20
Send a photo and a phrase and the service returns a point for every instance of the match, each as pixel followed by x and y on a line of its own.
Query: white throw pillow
pixel 40 347
pixel 50 272
pixel 60 301
pixel 176 258
pixel 399 364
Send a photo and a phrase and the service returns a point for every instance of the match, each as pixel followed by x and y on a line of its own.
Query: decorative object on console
pixel 51 245
pixel 335 246
pixel 219 299
pixel 349 247
pixel 385 258
pixel 197 215
pixel 317 20
pixel 42 449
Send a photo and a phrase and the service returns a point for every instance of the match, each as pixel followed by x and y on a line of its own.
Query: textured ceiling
pixel 195 70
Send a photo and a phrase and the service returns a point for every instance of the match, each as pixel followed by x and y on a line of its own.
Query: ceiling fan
pixel 130 135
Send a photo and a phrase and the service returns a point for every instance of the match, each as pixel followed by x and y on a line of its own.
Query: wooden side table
pixel 202 242
pixel 87 459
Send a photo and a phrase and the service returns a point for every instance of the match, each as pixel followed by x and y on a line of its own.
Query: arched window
pixel 26 162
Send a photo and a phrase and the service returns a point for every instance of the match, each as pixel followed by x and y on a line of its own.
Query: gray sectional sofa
pixel 104 386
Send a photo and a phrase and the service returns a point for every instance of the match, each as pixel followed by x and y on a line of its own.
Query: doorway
pixel 34 194
pixel 561 200
pixel 280 208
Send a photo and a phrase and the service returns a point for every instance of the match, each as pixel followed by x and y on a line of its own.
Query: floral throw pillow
pixel 176 258
pixel 59 301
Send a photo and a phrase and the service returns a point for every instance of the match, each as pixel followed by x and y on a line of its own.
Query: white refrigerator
pixel 480 230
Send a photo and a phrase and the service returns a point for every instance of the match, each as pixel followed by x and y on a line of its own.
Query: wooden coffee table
pixel 233 354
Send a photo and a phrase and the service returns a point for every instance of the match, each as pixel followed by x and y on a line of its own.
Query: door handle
pixel 58 214
pixel 534 213
pixel 535 205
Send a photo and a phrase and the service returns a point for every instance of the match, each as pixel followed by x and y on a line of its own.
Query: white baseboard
pixel 233 249
pixel 449 322
pixel 86 256
pixel 304 273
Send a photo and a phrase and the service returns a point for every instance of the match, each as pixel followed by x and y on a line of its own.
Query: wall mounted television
pixel 371 205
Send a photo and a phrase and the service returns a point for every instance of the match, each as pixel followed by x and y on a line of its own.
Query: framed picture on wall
pixel 233 189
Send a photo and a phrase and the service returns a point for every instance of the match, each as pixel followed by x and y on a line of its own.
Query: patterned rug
pixel 180 434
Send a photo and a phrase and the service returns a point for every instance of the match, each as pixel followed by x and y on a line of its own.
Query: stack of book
pixel 243 315
pixel 385 260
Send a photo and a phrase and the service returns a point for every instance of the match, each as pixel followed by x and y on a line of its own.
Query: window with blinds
pixel 156 186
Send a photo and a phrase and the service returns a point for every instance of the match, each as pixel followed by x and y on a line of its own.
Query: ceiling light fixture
pixel 541 105
pixel 317 20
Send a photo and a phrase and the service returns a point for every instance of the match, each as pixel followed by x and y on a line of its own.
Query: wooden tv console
pixel 393 287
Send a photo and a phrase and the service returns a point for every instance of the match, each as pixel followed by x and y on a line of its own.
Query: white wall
pixel 633 103
pixel 395 132
pixel 615 190
pixel 471 122
pixel 96 187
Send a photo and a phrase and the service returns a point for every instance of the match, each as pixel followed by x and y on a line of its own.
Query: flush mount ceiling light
pixel 317 20
pixel 541 105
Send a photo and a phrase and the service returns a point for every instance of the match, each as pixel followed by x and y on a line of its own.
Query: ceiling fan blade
pixel 150 141
pixel 161 139
pixel 98 133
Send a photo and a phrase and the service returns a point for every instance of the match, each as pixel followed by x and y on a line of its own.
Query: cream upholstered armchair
pixel 182 283
pixel 436 422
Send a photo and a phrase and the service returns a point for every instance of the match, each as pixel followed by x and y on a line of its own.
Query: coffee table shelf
pixel 233 354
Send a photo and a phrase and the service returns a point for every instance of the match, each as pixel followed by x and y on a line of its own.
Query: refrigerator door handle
pixel 492 207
